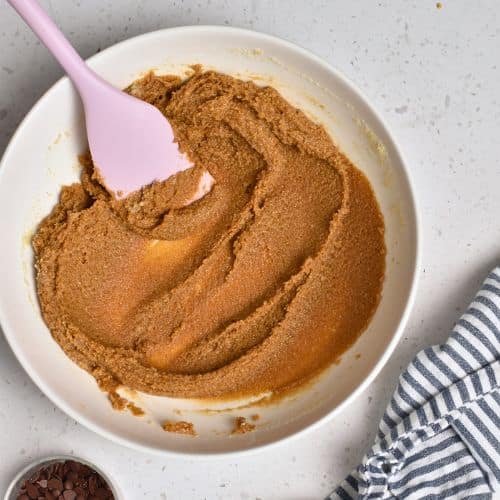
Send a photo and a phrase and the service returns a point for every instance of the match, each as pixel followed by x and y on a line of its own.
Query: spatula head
pixel 131 142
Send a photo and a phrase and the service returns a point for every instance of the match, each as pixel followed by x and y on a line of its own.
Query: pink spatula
pixel 131 142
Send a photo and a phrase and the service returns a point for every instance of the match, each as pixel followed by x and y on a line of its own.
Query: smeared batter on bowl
pixel 256 287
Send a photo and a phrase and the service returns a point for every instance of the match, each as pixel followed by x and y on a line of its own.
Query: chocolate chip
pixel 74 466
pixel 71 476
pixel 23 497
pixel 69 495
pixel 32 490
pixel 56 493
pixel 68 485
pixel 102 493
pixel 55 484
pixel 92 484
pixel 85 470
pixel 42 483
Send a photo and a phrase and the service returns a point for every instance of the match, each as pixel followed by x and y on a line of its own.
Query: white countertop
pixel 433 74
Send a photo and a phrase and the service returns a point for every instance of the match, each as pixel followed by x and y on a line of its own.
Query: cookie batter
pixel 257 286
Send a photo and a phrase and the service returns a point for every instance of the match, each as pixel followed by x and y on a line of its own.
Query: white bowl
pixel 41 157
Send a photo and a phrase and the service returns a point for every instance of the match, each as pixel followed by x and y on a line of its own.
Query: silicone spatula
pixel 131 142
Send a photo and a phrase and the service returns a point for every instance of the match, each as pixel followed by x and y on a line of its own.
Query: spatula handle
pixel 43 26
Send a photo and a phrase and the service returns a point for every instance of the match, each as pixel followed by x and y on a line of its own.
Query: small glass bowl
pixel 29 470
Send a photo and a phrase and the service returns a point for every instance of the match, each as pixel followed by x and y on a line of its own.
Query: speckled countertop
pixel 433 74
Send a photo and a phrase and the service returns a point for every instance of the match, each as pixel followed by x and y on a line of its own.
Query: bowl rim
pixel 375 370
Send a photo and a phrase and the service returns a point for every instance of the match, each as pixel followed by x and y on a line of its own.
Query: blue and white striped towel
pixel 440 434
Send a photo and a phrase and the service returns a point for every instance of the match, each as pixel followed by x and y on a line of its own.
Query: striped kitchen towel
pixel 440 434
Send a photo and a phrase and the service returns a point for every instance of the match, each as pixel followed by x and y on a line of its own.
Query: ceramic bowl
pixel 42 156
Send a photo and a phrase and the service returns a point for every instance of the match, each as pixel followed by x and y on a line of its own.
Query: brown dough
pixel 256 287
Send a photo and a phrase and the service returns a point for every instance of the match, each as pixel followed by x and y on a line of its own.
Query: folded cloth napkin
pixel 440 434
